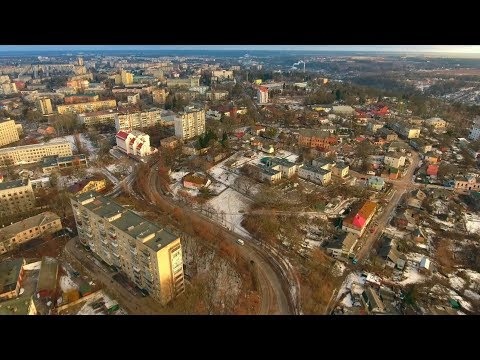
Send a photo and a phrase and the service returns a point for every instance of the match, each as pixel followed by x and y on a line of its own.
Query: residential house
pixel 467 183
pixel 372 301
pixel 390 254
pixel 404 220
pixel 416 121
pixel 394 160
pixel 287 168
pixel 268 174
pixel 374 126
pixel 432 170
pixel 424 265
pixel 340 169
pixel 387 134
pixel 418 236
pixel 398 146
pixel 314 174
pixel 436 123
pixel 431 157
pixel 376 182
pixel 405 131
pixel 421 145
pixel 475 129
pixel 356 222
pixel 316 139
pixel 343 246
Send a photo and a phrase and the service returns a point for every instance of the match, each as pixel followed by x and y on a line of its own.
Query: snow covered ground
pixel 456 282
pixel 353 277
pixel 472 223
pixel 347 301
pixel 411 276
pixel 87 308
pixel 230 202
pixel 216 187
pixel 87 144
pixel 66 283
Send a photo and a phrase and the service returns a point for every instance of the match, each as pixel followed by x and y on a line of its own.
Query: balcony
pixel 90 235
pixel 114 244
pixel 136 268
pixel 104 241
pixel 112 233
pixel 116 255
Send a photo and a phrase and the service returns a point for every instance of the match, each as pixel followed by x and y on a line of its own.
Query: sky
pixel 452 49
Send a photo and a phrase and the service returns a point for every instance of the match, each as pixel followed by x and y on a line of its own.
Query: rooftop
pixel 47 280
pixel 10 231
pixel 346 241
pixel 267 170
pixel 315 169
pixel 18 306
pixel 314 133
pixel 9 273
pixel 13 184
pixel 129 222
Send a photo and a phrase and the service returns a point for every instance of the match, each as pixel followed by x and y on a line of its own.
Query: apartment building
pixel 475 129
pixel 216 95
pixel 221 74
pixel 124 78
pixel 188 82
pixel 8 132
pixel 103 117
pixel 405 130
pixel 8 88
pixel 45 106
pixel 394 160
pixel 80 98
pixel 31 228
pixel 190 123
pixel 34 153
pixel 86 106
pixel 138 120
pixel 436 123
pixel 134 142
pixel 51 163
pixel 16 197
pixel 159 96
pixel 148 255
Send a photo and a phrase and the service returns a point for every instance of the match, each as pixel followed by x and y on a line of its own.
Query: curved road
pixel 271 286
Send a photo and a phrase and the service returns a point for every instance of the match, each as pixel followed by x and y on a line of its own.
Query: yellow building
pixel 16 197
pixel 124 78
pixel 34 153
pixel 188 82
pixel 45 106
pixel 8 132
pixel 159 96
pixel 436 123
pixel 190 123
pixel 148 255
pixel 31 228
pixel 258 81
pixel 86 107
pixel 93 184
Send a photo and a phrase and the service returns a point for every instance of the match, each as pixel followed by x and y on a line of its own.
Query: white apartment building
pixel 190 123
pixel 262 95
pixel 8 132
pixel 34 153
pixel 134 142
pixel 86 106
pixel 16 197
pixel 148 255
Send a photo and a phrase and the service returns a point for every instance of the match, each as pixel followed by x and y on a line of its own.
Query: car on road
pixel 240 241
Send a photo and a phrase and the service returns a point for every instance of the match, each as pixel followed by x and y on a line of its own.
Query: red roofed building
pixel 356 222
pixel 432 170
pixel 134 142
pixel 262 95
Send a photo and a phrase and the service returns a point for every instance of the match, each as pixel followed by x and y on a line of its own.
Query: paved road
pixel 272 287
pixel 134 304
pixel 400 186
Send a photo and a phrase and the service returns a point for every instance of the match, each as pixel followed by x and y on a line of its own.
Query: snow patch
pixel 67 284
pixel 456 282
pixel 347 301
pixel 33 266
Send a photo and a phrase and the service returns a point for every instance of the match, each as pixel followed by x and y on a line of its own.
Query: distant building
pixel 404 130
pixel 464 183
pixel 436 123
pixel 80 98
pixel 188 82
pixel 190 123
pixel 11 276
pixel 45 106
pixel 133 99
pixel 8 132
pixel 87 106
pixel 103 117
pixel 159 96
pixel 475 129
pixel 148 255
pixel 216 95
pixel 356 222
pixel 52 163
pixel 262 95
pixel 31 228
pixel 138 120
pixel 343 110
pixel 134 142
pixel 124 78
pixel 421 145
pixel 47 279
pixel 222 75
pixel 16 197
pixel 387 134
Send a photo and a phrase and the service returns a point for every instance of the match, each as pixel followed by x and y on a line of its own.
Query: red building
pixel 316 139
pixel 432 170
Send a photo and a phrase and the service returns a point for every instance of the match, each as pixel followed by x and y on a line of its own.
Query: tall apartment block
pixel 45 106
pixel 138 120
pixel 190 123
pixel 8 132
pixel 16 197
pixel 150 256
